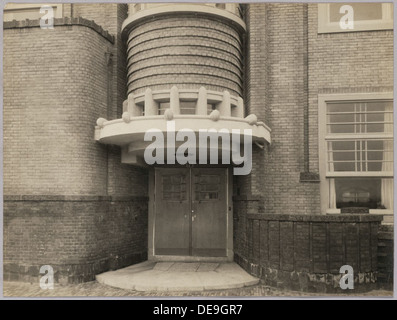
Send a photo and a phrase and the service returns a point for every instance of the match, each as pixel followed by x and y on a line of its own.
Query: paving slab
pixel 185 267
pixel 205 267
pixel 178 276
pixel 163 266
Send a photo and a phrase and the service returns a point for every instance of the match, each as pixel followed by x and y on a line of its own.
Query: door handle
pixel 194 217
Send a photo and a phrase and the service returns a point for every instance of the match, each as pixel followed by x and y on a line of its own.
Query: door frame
pixel 229 219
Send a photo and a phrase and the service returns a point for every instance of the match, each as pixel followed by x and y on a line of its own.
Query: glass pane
pixel 163 106
pixel 188 107
pixel 358 192
pixel 174 187
pixel 360 117
pixel 207 187
pixel 360 155
pixel 340 107
pixel 362 11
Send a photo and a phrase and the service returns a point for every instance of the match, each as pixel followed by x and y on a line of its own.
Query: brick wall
pixel 186 51
pixel 347 62
pixel 386 256
pixel 79 236
pixel 306 252
pixel 54 90
pixel 56 84
pixel 276 90
pixel 287 64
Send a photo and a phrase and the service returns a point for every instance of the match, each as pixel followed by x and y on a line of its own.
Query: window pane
pixel 351 192
pixel 188 107
pixel 360 155
pixel 372 193
pixel 360 117
pixel 362 11
pixel 174 187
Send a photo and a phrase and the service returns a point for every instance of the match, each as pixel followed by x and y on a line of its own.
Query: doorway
pixel 191 212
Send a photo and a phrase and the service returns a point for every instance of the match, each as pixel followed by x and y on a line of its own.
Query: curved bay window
pixel 357 139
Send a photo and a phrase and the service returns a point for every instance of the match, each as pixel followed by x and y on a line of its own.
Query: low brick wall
pixel 306 252
pixel 385 256
pixel 79 236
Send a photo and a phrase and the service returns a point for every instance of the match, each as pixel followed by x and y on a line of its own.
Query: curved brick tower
pixel 186 45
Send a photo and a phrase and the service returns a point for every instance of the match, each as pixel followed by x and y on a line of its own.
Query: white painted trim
pixel 325 26
pixel 322 133
pixel 119 133
pixel 371 211
pixel 182 8
pixel 376 174
pixel 381 211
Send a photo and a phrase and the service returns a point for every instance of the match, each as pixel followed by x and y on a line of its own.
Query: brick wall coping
pixel 72 198
pixel 317 218
pixel 66 21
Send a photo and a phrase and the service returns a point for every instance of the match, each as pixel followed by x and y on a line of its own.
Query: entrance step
pixel 178 276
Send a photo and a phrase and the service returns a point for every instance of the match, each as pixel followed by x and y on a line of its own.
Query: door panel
pixel 209 218
pixel 172 221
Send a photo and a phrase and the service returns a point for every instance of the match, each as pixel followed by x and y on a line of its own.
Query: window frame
pixel 323 99
pixel 326 26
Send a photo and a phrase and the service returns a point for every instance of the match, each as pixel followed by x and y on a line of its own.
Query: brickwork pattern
pixel 352 62
pixel 305 254
pixel 78 236
pixel 54 90
pixel 386 256
pixel 275 91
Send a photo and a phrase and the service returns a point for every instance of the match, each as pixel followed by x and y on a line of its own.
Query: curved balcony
pixel 192 110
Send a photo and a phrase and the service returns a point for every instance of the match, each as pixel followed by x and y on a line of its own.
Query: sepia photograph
pixel 198 150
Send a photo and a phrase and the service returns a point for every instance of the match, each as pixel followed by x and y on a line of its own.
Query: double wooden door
pixel 190 212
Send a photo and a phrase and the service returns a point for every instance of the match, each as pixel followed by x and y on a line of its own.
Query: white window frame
pixel 323 99
pixel 326 26
pixel 10 8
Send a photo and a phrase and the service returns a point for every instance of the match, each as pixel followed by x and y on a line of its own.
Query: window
pixel 17 11
pixel 174 187
pixel 186 107
pixel 207 187
pixel 366 16
pixel 356 152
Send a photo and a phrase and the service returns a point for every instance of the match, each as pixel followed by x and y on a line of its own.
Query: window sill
pixel 371 211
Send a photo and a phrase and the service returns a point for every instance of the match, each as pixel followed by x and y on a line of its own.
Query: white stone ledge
pixel 175 8
pixel 120 133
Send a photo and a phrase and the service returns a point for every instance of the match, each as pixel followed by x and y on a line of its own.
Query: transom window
pixel 356 154
pixel 366 16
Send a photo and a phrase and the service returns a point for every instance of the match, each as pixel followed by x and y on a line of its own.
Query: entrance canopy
pixel 193 119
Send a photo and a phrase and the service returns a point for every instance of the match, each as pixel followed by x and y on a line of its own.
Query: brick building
pixel 78 98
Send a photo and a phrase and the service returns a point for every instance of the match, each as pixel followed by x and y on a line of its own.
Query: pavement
pixel 170 279
pixel 178 276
